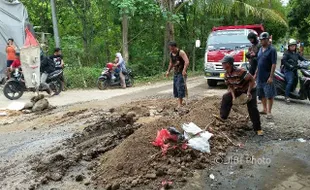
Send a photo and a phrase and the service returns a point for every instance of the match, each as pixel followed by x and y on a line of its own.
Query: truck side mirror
pixel 198 44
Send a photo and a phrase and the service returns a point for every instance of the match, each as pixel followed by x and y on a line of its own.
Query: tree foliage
pixel 91 31
pixel 299 19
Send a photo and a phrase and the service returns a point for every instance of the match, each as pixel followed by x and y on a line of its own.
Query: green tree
pixel 298 16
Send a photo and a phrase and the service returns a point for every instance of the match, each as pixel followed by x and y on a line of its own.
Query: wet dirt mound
pixel 116 152
pixel 95 140
pixel 136 163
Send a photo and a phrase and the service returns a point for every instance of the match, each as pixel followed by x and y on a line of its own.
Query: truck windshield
pixel 227 39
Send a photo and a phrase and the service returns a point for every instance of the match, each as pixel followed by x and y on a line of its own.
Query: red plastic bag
pixel 161 138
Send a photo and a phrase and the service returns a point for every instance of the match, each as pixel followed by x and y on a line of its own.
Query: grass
pixel 161 77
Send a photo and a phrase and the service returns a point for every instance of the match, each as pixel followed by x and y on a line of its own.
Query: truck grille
pixel 219 67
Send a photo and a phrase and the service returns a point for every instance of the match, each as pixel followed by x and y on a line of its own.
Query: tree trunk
pixel 194 58
pixel 125 37
pixel 270 5
pixel 170 24
pixel 236 21
pixel 165 57
pixel 169 32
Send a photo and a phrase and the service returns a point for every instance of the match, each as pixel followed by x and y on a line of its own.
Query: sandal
pixel 263 113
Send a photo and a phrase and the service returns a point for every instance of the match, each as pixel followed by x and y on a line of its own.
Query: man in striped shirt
pixel 239 82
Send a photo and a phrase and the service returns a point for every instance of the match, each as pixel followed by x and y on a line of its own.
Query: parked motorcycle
pixel 107 79
pixel 15 87
pixel 303 79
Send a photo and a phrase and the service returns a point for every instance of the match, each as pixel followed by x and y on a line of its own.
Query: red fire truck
pixel 227 40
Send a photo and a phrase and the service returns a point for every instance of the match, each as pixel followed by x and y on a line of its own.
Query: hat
pixel 264 35
pixel 228 59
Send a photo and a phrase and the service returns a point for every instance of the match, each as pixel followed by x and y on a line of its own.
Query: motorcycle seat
pixel 56 72
pixel 280 73
pixel 305 72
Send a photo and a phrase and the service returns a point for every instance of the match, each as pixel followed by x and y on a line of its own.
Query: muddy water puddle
pixel 275 165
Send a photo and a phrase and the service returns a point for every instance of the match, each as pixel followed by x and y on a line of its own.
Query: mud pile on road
pixel 136 163
pixel 119 153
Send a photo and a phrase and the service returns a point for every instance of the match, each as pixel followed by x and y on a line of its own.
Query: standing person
pixel 10 51
pixel 121 67
pixel 252 53
pixel 290 64
pixel 59 64
pixel 179 62
pixel 267 60
pixel 239 82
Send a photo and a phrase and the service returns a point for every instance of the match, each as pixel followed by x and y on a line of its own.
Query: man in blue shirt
pixel 267 60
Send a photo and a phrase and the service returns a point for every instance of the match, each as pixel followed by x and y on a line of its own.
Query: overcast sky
pixel 285 2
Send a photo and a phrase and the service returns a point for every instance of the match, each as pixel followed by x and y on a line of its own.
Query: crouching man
pixel 239 81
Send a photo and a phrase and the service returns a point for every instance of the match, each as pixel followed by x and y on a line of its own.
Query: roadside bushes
pixel 82 77
pixel 307 52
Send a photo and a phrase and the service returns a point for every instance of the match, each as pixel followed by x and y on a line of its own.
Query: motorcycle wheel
pixel 102 84
pixel 56 87
pixel 130 81
pixel 13 90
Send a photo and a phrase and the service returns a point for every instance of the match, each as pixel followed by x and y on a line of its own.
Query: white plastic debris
pixel 16 106
pixel 3 114
pixel 231 173
pixel 212 176
pixel 301 140
pixel 191 128
pixel 197 138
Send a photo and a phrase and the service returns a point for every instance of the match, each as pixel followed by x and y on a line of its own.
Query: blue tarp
pixel 13 20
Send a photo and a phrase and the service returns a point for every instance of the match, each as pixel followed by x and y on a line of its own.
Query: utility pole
pixel 55 25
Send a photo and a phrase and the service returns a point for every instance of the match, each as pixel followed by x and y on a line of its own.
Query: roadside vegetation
pixel 93 31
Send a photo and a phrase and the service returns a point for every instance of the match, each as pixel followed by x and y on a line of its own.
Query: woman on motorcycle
pixel 120 67
pixel 290 66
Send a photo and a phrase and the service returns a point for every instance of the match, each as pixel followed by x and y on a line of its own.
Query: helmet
pixel 292 42
pixel 252 35
pixel 228 59
pixel 264 35
pixel 110 66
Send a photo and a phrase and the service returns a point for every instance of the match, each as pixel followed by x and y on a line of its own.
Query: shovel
pixel 241 100
pixel 186 91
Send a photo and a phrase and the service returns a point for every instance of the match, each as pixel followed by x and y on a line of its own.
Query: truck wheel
pixel 212 83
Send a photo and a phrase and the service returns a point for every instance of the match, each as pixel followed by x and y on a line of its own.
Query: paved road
pixel 75 96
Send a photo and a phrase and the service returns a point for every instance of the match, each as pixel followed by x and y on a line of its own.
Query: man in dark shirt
pixel 59 64
pixel 252 52
pixel 239 82
pixel 290 65
pixel 179 62
pixel 267 60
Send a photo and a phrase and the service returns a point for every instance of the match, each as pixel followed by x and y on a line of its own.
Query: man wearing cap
pixel 267 60
pixel 290 65
pixel 239 82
